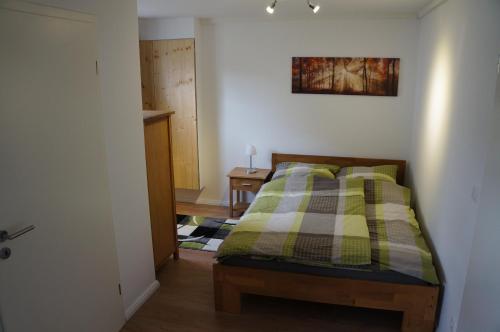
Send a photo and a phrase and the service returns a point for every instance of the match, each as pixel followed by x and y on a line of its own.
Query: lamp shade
pixel 250 150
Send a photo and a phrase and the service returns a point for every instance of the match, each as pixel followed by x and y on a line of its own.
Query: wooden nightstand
pixel 240 181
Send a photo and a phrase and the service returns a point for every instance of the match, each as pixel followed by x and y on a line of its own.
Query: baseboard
pixel 130 311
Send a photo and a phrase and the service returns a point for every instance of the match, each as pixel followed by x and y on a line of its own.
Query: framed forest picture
pixel 345 76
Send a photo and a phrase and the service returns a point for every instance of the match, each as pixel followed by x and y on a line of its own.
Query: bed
pixel 366 285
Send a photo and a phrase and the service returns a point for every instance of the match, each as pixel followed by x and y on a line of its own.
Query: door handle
pixel 4 235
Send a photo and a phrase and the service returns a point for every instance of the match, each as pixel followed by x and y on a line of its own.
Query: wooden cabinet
pixel 168 79
pixel 161 190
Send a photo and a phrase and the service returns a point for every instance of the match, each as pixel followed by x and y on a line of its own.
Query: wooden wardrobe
pixel 161 189
pixel 169 83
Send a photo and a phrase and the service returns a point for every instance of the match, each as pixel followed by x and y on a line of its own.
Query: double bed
pixel 348 241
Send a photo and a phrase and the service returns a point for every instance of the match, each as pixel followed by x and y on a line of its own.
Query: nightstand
pixel 240 181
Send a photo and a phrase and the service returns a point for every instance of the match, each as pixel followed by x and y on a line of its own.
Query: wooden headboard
pixel 341 161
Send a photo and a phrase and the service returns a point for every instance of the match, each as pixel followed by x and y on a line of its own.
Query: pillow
pixel 302 169
pixel 383 173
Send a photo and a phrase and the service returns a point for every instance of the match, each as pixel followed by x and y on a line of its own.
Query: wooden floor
pixel 202 210
pixel 184 302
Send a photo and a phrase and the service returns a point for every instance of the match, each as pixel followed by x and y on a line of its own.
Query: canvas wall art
pixel 345 76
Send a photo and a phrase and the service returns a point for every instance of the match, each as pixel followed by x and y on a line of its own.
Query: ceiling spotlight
pixel 270 8
pixel 315 8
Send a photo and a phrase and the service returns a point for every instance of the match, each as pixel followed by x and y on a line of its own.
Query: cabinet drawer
pixel 246 184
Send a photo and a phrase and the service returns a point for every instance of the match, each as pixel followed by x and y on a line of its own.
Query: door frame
pixel 149 40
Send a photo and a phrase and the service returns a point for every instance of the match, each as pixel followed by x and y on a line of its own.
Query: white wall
pixel 121 101
pixel 244 94
pixel 480 304
pixel 166 28
pixel 458 48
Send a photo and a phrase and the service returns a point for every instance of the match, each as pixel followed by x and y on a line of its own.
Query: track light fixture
pixel 315 8
pixel 270 8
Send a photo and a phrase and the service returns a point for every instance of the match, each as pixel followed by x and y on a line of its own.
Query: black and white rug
pixel 202 233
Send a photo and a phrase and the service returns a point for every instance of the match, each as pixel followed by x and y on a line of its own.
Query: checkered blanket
pixel 396 240
pixel 313 220
pixel 305 219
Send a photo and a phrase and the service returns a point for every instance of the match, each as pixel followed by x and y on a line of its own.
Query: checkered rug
pixel 202 233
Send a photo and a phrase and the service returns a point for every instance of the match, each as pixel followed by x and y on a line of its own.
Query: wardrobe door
pixel 175 90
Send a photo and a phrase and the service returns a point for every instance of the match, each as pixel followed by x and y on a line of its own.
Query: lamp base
pixel 251 170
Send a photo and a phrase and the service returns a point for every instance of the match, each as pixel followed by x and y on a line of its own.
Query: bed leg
pixel 231 300
pixel 415 321
pixel 420 313
pixel 227 297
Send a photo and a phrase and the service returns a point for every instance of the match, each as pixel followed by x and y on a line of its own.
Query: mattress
pixel 365 273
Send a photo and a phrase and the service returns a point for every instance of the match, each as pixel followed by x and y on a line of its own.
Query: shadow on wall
pixel 481 289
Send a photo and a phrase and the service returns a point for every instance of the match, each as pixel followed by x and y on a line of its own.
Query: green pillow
pixel 302 169
pixel 383 173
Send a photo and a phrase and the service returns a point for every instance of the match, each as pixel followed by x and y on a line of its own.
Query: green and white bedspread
pixel 314 220
pixel 304 219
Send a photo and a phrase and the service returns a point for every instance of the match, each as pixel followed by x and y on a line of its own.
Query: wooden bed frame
pixel 418 303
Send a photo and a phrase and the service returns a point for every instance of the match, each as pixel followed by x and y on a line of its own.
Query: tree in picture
pixel 345 76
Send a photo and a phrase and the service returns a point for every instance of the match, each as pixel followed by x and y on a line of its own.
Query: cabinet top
pixel 241 173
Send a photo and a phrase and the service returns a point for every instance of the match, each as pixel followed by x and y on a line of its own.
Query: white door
pixel 63 274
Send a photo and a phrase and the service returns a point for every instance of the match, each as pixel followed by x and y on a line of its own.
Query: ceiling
pixel 285 8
